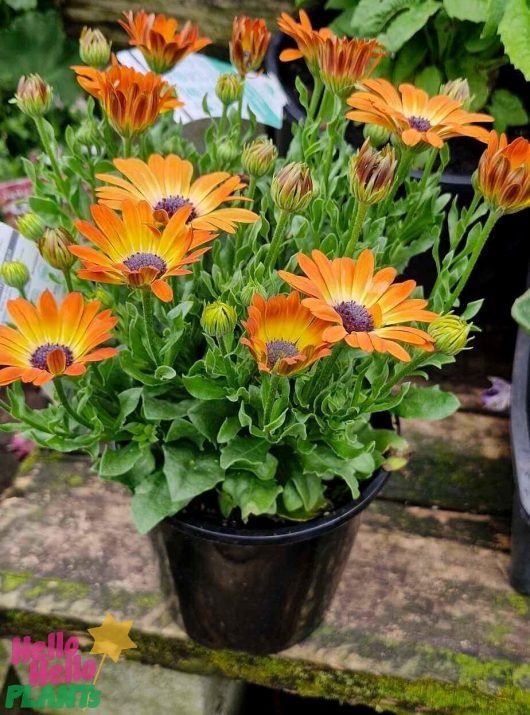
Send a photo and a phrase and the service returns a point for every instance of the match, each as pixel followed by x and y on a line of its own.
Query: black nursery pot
pixel 260 591
pixel 520 431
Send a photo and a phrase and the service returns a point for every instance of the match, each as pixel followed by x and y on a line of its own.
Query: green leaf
pixel 250 494
pixel 427 403
pixel 494 15
pixel 514 31
pixel 189 474
pixel 310 489
pixel 155 409
pixel 472 309
pixel 44 206
pixel 429 79
pixel 521 311
pixel 370 18
pixel 507 109
pixel 408 59
pixel 128 400
pixel 202 388
pixel 152 502
pixel 21 5
pixel 208 417
pixel 472 10
pixel 163 372
pixel 118 461
pixel 183 429
pixel 407 24
pixel 247 452
pixel 228 430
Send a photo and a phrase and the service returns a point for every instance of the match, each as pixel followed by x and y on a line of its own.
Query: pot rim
pixel 298 531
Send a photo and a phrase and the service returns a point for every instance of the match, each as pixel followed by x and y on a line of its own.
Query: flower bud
pixel 14 274
pixel 458 89
pixel 377 135
pixel 218 319
pixel 94 48
pixel 53 247
pixel 450 333
pixel 258 156
pixel 88 133
pixel 31 226
pixel 227 151
pixel 292 187
pixel 229 88
pixel 372 173
pixel 34 96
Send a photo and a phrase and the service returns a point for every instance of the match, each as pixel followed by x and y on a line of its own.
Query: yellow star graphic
pixel 111 637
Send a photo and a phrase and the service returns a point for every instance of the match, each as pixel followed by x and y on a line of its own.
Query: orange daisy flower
pixel 50 340
pixel 284 336
pixel 307 39
pixel 343 62
pixel 249 44
pixel 158 40
pixel 165 183
pixel 131 100
pixel 414 116
pixel 503 175
pixel 366 310
pixel 135 253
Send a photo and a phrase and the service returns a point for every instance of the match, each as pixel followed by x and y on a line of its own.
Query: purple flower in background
pixel 497 398
pixel 21 446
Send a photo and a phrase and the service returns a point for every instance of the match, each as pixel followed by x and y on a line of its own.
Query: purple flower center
pixel 420 124
pixel 39 358
pixel 171 204
pixel 355 317
pixel 145 260
pixel 278 349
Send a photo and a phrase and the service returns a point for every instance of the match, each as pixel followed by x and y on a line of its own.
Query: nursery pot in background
pixel 260 591
pixel 520 431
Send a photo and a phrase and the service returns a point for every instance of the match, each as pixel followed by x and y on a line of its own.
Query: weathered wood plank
pixel 419 624
pixel 461 463
pixel 214 17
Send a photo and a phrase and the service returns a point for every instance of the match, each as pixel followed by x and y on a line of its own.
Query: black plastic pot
pixel 260 591
pixel 520 431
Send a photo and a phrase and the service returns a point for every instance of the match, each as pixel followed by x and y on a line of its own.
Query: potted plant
pixel 234 354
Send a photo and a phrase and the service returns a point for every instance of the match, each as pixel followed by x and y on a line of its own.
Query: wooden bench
pixel 424 620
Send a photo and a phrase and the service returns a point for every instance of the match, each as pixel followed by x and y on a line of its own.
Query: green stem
pixel 251 187
pixel 51 152
pixel 427 169
pixel 63 399
pixel 315 98
pixel 274 382
pixel 401 174
pixel 147 306
pixel 68 279
pixel 321 380
pixel 222 122
pixel 356 230
pixel 477 249
pixel 22 292
pixel 461 228
pixel 276 241
pixel 126 147
pixel 330 150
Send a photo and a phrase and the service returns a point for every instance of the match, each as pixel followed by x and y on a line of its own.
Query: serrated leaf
pixel 246 452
